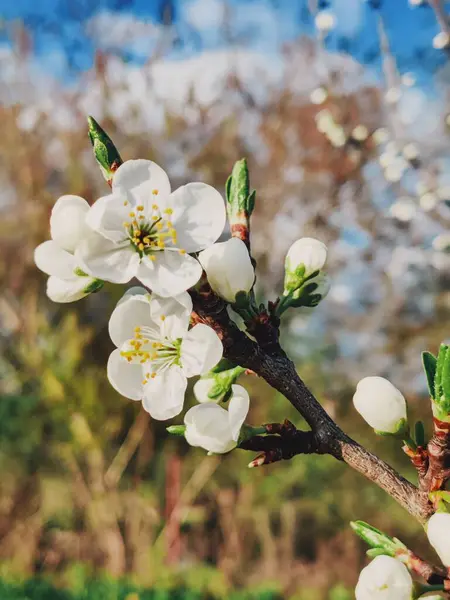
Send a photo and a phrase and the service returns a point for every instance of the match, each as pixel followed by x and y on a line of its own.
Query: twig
pixel 127 449
pixel 272 364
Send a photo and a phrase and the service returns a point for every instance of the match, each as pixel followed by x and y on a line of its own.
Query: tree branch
pixel 274 366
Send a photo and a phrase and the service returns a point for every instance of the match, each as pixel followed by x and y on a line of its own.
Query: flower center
pixel 152 231
pixel 150 349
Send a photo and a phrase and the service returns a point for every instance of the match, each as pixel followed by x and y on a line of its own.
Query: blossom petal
pixel 106 260
pixel 137 180
pixel 68 221
pixel 68 290
pixel 108 215
pixel 124 377
pixel 207 427
pixel 238 409
pixel 201 349
pixel 164 394
pixel 132 310
pixel 53 260
pixel 198 215
pixel 170 274
pixel 173 314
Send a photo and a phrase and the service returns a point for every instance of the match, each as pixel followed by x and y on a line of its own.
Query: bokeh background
pixel 346 133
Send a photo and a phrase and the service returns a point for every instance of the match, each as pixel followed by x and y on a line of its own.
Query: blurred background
pixel 343 111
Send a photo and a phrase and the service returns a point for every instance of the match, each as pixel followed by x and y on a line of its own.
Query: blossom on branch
pixel 381 405
pixel 156 351
pixel 228 268
pixel 438 532
pixel 146 231
pixel 385 578
pixel 215 429
pixel 67 282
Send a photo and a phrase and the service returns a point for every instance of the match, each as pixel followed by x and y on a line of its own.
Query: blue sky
pixel 60 29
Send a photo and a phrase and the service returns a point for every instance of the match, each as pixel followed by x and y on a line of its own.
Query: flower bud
pixel 305 257
pixel 438 532
pixel 215 429
pixel 325 21
pixel 105 152
pixel 385 578
pixel 381 405
pixel 216 386
pixel 228 268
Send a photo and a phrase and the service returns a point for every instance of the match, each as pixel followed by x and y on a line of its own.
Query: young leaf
pixel 429 364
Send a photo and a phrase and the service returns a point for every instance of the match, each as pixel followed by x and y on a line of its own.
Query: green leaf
pixel 376 538
pixel 374 552
pixel 419 433
pixel 429 365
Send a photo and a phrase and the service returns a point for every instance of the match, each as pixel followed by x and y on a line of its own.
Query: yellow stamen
pixel 125 224
pixel 163 317
pixel 152 258
pixel 154 206
pixel 155 192
pixel 125 203
pixel 141 247
pixel 137 329
pixel 144 382
pixel 181 251
pixel 132 214
pixel 168 211
pixel 153 375
pixel 140 207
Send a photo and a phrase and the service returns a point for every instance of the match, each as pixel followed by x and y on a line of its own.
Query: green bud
pixel 106 154
pixel 216 387
pixel 441 389
pixel 240 201
pixel 429 364
pixel 94 286
pixel 176 430
pixel 376 539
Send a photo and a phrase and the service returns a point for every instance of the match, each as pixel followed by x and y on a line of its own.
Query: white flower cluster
pixel 165 239
pixel 142 229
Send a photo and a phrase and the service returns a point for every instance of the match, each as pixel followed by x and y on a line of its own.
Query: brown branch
pixel 272 364
pixel 432 574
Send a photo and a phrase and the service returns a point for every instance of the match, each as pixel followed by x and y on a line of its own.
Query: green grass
pixel 40 589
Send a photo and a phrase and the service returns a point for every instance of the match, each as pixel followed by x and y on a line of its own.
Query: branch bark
pixel 272 364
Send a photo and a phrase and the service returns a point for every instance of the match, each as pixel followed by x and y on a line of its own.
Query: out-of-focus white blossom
pixel 380 135
pixel 392 95
pixel 441 40
pixel 404 209
pixel 442 242
pixel 428 201
pixel 410 151
pixel 380 404
pixel 408 79
pixel 325 21
pixel 360 133
pixel 319 95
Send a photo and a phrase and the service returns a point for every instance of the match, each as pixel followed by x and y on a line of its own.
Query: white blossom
pixel 67 282
pixel 156 351
pixel 228 268
pixel 215 429
pixel 202 388
pixel 441 40
pixel 385 578
pixel 319 95
pixel 325 21
pixel 145 231
pixel 438 532
pixel 380 404
pixel 306 253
